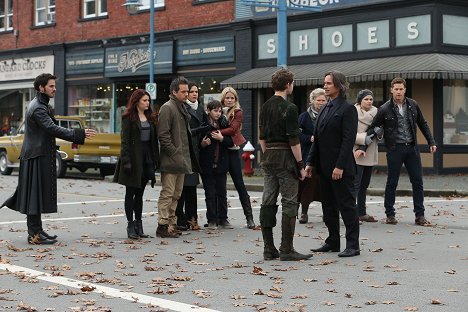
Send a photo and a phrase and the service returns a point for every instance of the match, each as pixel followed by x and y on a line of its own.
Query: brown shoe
pixel 422 221
pixel 391 220
pixel 164 232
pixel 193 224
pixel 367 218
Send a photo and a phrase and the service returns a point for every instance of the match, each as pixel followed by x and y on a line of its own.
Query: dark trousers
pixel 338 198
pixel 34 223
pixel 235 171
pixel 410 157
pixel 189 199
pixel 134 201
pixel 215 196
pixel 361 183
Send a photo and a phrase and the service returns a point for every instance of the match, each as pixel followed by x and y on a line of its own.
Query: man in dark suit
pixel 332 157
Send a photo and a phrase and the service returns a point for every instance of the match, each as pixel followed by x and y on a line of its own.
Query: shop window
pixel 455 112
pixel 6 15
pixel 209 88
pixel 94 104
pixel 146 4
pixel 45 12
pixel 94 8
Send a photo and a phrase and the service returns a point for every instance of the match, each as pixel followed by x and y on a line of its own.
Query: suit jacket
pixel 334 138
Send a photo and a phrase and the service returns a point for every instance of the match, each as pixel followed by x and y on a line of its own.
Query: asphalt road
pixel 94 267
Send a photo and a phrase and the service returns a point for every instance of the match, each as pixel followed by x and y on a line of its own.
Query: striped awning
pixel 421 66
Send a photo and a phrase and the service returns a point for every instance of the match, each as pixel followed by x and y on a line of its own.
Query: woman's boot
pixel 247 207
pixel 131 231
pixel 139 229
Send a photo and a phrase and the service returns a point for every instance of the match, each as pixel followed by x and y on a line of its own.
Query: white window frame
pixel 49 8
pixel 7 16
pixel 99 8
pixel 146 4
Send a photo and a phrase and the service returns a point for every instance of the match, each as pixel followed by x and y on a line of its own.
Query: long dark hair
pixel 339 80
pixel 131 112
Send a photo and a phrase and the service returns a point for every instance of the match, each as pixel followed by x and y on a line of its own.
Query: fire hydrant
pixel 248 156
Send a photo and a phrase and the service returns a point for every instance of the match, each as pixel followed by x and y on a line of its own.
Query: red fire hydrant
pixel 248 156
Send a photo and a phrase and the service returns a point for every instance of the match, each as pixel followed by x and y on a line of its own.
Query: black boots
pixel 269 250
pixel 247 207
pixel 139 229
pixel 287 252
pixel 131 230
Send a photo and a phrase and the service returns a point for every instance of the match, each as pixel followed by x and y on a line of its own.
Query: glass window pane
pixel 41 16
pixel 40 4
pixel 455 112
pixel 90 8
pixel 103 6
pixel 2 23
pixel 2 7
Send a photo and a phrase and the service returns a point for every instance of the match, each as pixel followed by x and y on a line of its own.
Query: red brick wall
pixel 178 14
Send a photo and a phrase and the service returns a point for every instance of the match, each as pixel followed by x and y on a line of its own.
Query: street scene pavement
pixel 94 267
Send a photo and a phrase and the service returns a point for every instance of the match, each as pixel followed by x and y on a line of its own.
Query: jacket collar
pixel 42 98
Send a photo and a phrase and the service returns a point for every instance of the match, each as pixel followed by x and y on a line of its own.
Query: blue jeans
pixel 410 157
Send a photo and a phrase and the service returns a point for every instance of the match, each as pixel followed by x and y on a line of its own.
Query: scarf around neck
pixel 193 105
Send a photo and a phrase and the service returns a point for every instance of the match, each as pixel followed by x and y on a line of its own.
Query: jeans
pixel 410 157
pixel 215 196
pixel 361 183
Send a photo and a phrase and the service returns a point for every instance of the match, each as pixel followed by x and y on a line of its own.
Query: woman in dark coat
pixel 37 180
pixel 188 219
pixel 309 188
pixel 139 157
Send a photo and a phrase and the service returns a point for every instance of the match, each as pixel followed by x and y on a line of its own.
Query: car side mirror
pixel 13 131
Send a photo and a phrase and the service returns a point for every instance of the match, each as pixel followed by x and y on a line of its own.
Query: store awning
pixel 421 66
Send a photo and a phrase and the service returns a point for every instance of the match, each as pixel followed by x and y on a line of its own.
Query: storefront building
pixel 371 42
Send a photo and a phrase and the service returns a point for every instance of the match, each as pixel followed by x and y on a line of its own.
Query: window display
pixel 456 112
pixel 94 103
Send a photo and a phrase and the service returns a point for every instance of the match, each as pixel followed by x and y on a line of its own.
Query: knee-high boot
pixel 247 207
pixel 287 252
pixel 269 250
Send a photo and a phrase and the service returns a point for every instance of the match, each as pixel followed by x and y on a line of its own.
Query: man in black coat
pixel 332 157
pixel 36 192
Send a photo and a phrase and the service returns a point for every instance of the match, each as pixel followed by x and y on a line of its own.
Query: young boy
pixel 214 165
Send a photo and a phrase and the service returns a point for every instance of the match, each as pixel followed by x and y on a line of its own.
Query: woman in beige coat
pixel 366 158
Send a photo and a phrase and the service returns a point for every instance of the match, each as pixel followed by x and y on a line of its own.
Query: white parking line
pixel 108 291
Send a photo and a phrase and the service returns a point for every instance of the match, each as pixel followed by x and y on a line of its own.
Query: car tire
pixel 61 166
pixel 106 171
pixel 4 169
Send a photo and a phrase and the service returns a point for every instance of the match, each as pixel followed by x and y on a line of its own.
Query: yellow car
pixel 101 152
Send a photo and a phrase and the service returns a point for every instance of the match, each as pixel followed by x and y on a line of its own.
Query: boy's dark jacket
pixel 207 154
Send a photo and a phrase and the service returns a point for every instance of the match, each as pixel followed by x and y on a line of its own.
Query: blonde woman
pixel 309 188
pixel 233 112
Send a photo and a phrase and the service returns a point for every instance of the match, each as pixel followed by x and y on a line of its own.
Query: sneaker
pixel 391 220
pixel 224 224
pixel 421 220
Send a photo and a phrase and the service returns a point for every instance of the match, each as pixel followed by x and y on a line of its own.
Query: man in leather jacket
pixel 36 192
pixel 400 117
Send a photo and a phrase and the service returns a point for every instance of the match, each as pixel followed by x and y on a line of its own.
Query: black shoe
pixel 40 239
pixel 326 247
pixel 349 252
pixel 131 230
pixel 224 224
pixel 250 223
pixel 270 253
pixel 47 235
pixel 182 227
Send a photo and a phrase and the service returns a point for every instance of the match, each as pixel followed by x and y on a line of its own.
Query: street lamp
pixel 132 8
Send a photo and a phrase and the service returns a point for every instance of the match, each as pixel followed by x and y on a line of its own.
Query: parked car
pixel 101 152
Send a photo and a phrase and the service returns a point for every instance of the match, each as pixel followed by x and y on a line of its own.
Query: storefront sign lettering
pixel 135 60
pixel 84 62
pixel 370 35
pixel 25 68
pixel 207 51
